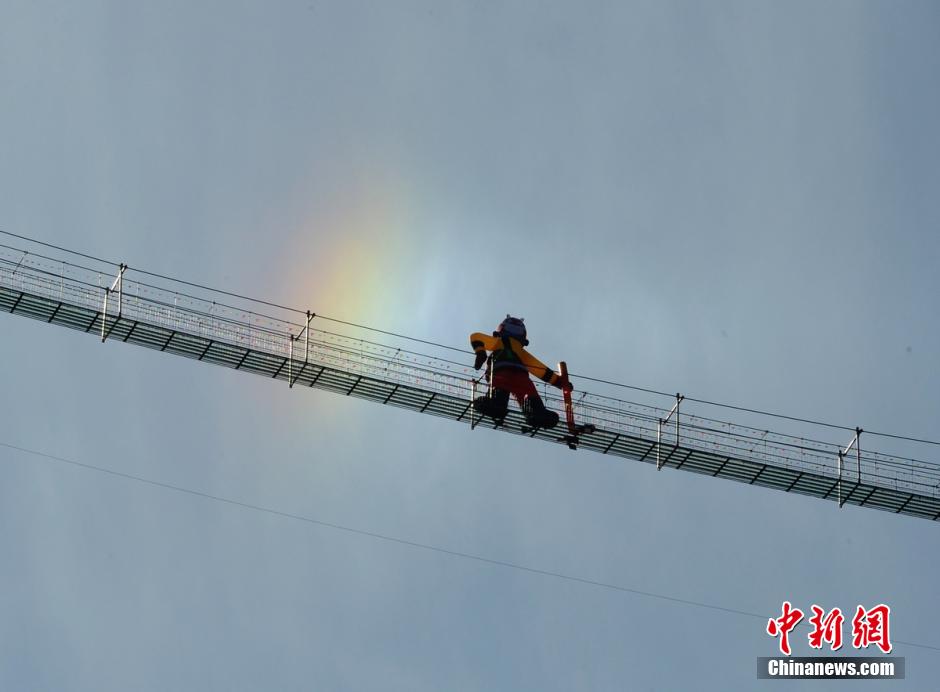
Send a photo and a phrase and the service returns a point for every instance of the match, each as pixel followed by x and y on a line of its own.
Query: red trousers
pixel 516 382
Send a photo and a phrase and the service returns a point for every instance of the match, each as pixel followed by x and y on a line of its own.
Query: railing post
pixel 839 494
pixel 679 398
pixel 116 287
pixel 858 455
pixel 306 334
pixel 120 283
pixel 310 316
pixel 104 315
pixel 659 430
pixel 659 444
pixel 290 361
pixel 473 398
pixel 858 464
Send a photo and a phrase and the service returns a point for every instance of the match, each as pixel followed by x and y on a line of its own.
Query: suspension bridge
pixel 116 303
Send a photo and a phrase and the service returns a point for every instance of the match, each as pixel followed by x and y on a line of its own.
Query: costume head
pixel 513 327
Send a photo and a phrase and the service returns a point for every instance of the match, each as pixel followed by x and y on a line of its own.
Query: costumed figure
pixel 511 365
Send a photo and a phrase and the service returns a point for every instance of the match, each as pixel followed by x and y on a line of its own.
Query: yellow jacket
pixel 518 357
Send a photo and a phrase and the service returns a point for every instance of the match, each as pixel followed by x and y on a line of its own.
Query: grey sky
pixel 733 200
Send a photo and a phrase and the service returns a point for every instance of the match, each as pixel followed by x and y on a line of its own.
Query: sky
pixel 734 200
